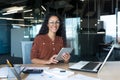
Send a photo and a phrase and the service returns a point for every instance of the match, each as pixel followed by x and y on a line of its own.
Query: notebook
pixel 91 66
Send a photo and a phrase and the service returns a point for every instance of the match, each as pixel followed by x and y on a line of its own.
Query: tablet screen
pixel 63 50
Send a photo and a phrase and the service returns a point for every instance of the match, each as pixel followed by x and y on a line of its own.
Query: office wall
pixel 17 35
pixel 4 37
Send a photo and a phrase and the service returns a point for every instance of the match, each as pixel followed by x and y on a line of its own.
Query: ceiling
pixel 70 8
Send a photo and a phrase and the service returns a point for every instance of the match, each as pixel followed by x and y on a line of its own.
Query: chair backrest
pixel 26 50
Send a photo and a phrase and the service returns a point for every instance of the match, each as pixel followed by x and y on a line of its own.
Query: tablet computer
pixel 62 51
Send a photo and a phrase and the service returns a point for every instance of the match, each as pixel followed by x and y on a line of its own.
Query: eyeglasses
pixel 52 23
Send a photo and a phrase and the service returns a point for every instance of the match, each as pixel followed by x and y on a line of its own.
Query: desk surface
pixel 109 72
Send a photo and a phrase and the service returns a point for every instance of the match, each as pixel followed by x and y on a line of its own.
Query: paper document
pixel 82 77
pixel 43 76
pixel 51 74
pixel 3 72
pixel 58 72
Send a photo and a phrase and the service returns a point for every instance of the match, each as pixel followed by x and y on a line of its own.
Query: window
pixel 34 30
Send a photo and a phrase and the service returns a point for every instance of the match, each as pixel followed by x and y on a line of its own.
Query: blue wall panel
pixel 4 37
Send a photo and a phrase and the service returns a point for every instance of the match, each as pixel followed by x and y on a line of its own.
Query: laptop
pixel 91 66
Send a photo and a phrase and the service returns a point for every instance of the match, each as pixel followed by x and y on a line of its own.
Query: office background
pixel 91 26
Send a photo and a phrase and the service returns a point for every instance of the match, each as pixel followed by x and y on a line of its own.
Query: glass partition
pixel 90 24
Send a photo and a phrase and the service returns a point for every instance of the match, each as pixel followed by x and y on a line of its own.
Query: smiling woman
pixel 49 41
pixel 81 21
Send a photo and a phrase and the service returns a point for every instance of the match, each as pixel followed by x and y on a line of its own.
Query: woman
pixel 49 41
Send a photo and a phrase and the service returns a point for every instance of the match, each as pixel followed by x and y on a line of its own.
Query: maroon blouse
pixel 44 48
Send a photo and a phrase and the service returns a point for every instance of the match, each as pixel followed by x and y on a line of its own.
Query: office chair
pixel 26 50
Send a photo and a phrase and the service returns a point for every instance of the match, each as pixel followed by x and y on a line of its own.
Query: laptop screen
pixel 106 58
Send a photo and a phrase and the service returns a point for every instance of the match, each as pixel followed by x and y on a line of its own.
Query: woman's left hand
pixel 66 57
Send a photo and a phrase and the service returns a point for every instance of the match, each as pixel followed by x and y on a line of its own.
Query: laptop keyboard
pixel 90 66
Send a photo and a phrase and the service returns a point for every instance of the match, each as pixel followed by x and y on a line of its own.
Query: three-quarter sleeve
pixel 35 48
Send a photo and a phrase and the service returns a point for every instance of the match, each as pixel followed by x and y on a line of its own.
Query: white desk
pixel 109 72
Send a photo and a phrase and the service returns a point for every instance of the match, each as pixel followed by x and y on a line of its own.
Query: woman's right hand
pixel 52 60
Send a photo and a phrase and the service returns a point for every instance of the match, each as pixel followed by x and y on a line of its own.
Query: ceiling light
pixel 100 32
pixel 27 10
pixel 9 13
pixel 11 19
pixel 42 12
pixel 28 17
pixel 82 0
pixel 12 10
pixel 37 21
pixel 21 25
pixel 4 18
pixel 43 7
pixel 16 19
pixel 15 9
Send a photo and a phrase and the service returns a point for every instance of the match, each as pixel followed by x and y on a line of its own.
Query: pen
pixel 62 71
pixel 8 62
